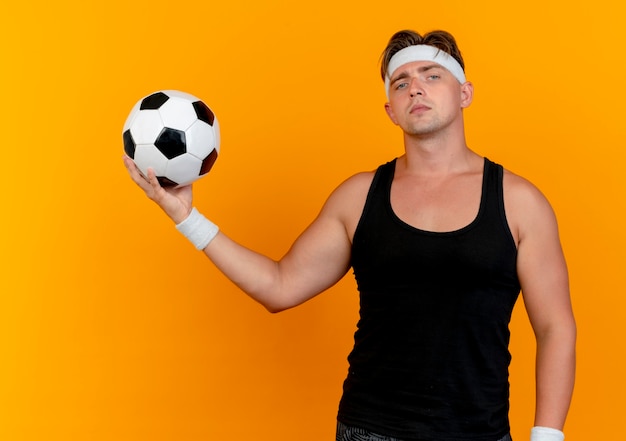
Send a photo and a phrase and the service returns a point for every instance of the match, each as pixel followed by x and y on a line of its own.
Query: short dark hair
pixel 442 40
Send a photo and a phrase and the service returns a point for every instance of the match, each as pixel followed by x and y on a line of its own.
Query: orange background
pixel 113 327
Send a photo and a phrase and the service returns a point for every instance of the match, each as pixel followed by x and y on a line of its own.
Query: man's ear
pixel 390 113
pixel 467 94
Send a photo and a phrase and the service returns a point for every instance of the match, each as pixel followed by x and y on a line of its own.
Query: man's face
pixel 424 98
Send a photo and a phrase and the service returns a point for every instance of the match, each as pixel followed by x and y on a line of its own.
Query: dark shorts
pixel 348 433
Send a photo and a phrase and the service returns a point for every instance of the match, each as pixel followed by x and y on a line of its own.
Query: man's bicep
pixel 317 260
pixel 542 268
pixel 321 255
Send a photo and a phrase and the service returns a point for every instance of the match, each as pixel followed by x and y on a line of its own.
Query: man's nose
pixel 416 88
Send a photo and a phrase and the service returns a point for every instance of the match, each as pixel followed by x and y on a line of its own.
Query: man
pixel 441 241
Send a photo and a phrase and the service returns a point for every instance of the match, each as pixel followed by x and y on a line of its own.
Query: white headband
pixel 422 52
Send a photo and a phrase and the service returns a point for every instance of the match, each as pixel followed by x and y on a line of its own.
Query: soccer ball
pixel 174 133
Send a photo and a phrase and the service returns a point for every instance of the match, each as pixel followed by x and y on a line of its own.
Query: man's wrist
pixel 539 433
pixel 198 229
pixel 179 218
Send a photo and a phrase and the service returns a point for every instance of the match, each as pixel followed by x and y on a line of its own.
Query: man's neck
pixel 437 155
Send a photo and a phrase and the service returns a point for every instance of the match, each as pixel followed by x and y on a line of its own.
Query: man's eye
pixel 434 77
pixel 402 85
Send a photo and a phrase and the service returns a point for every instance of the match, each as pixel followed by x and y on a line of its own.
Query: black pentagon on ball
pixel 154 101
pixel 129 144
pixel 208 162
pixel 171 142
pixel 203 112
pixel 165 182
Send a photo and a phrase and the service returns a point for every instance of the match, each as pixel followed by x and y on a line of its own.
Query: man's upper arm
pixel 321 255
pixel 542 269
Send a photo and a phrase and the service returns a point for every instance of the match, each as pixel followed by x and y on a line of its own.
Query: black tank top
pixel 430 359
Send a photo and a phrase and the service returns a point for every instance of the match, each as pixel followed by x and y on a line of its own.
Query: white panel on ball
pixel 149 156
pixel 200 139
pixel 183 169
pixel 146 127
pixel 178 114
pixel 180 94
pixel 131 116
pixel 216 131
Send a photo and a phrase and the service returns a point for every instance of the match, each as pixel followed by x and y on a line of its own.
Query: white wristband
pixel 539 433
pixel 198 229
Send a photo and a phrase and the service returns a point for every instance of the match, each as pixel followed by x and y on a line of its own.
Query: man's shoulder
pixel 346 202
pixel 518 188
pixel 354 187
pixel 526 206
pixel 360 181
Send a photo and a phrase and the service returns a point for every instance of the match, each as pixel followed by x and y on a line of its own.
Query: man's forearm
pixel 555 371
